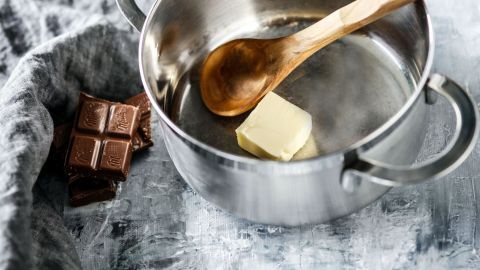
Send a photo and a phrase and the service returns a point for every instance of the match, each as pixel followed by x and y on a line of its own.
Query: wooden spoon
pixel 236 75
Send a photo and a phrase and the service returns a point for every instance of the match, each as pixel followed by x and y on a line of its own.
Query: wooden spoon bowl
pixel 236 75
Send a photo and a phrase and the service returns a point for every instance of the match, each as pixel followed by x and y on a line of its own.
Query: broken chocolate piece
pixel 83 191
pixel 100 141
pixel 143 139
pixel 141 101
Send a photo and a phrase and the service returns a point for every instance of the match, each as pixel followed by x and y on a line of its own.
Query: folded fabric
pixel 42 90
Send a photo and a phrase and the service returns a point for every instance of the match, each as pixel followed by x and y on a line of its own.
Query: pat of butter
pixel 276 129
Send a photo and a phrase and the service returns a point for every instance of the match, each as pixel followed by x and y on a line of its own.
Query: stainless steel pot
pixel 368 94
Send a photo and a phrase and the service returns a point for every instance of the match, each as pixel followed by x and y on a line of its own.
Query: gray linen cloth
pixel 42 91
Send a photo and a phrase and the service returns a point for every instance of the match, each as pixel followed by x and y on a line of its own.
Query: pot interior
pixel 351 88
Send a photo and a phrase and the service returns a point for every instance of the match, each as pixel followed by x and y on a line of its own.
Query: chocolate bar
pixel 140 141
pixel 100 142
pixel 86 191
pixel 143 138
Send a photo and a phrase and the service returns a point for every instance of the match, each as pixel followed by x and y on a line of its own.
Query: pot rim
pixel 227 158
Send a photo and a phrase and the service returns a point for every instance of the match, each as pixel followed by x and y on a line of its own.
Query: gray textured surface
pixel 157 221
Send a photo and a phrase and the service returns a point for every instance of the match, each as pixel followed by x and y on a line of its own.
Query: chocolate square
pixel 116 156
pixel 84 153
pixel 92 117
pixel 122 120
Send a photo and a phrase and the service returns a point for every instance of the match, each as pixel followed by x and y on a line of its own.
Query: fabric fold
pixel 43 89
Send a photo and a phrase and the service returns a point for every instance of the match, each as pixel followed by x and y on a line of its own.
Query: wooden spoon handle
pixel 340 23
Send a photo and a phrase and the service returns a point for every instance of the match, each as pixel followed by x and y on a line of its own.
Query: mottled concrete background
pixel 158 222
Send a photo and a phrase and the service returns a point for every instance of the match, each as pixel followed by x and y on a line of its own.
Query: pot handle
pixel 132 13
pixel 463 142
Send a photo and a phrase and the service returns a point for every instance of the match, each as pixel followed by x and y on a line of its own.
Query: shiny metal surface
pixel 358 90
pixel 464 139
pixel 326 86
pixel 132 13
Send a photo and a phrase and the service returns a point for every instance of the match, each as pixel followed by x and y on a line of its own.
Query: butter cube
pixel 276 129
